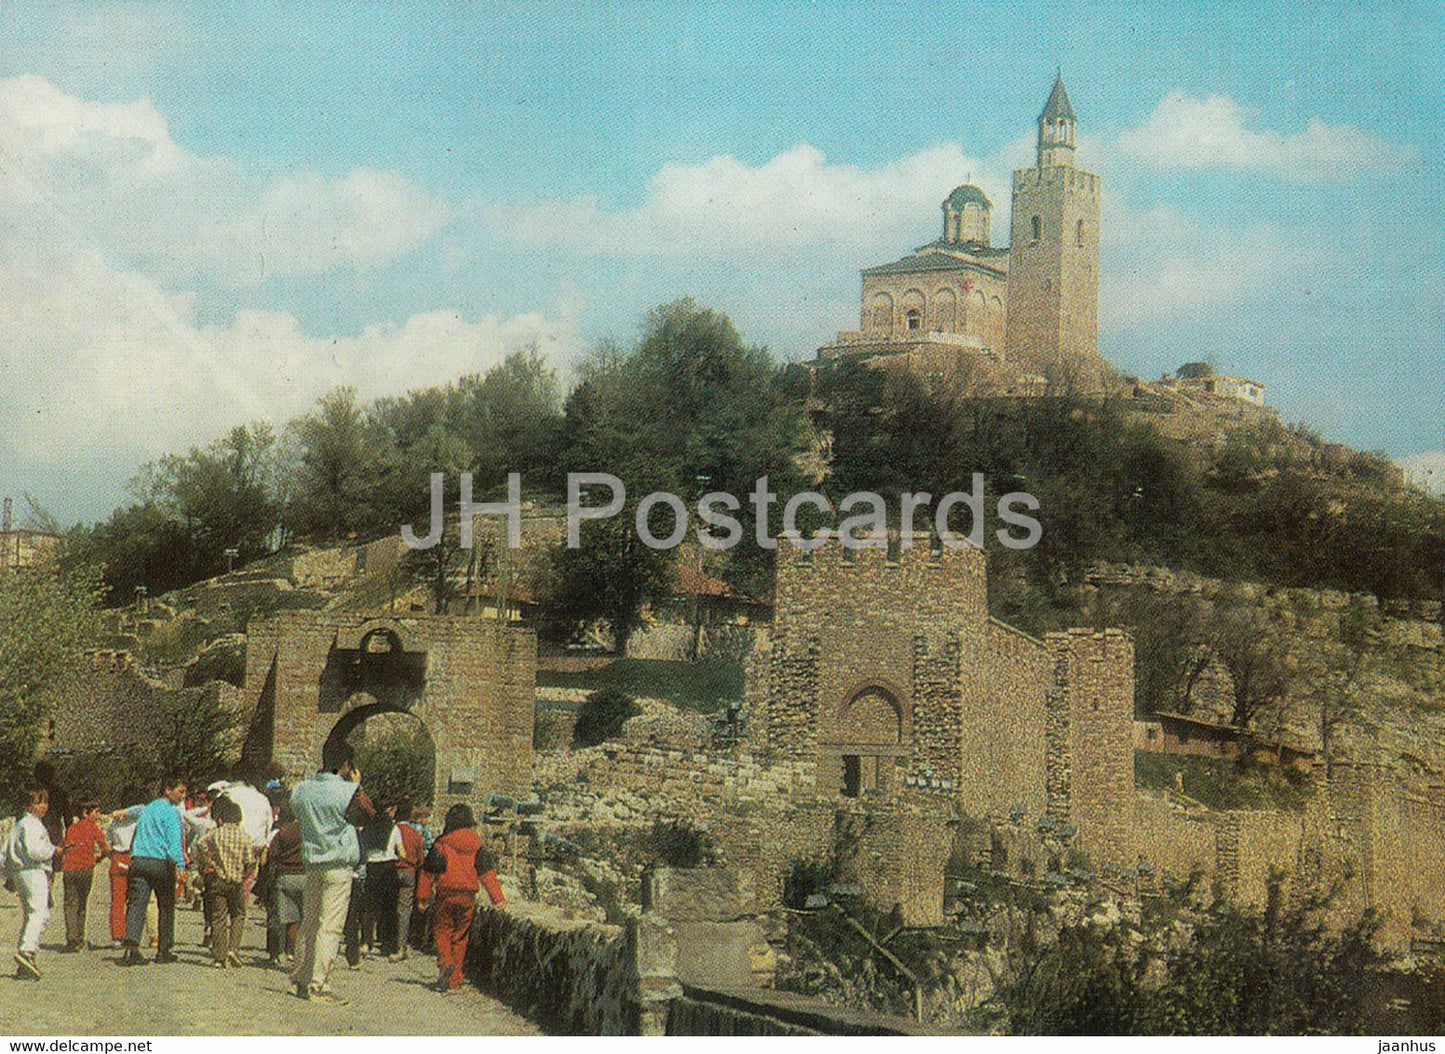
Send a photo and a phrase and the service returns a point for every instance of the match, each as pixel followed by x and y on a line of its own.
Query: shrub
pixel 680 843
pixel 602 716
pixel 545 731
pixel 396 762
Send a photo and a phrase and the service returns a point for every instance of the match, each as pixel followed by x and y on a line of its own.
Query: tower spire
pixel 1056 127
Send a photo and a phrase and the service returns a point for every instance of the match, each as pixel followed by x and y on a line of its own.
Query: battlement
pixel 1098 645
pixel 891 555
pixel 1056 176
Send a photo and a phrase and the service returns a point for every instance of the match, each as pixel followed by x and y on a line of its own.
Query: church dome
pixel 967 194
pixel 965 216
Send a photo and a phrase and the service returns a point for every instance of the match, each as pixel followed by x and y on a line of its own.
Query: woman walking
pixel 462 867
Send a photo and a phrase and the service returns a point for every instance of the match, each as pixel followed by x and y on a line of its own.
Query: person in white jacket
pixel 29 862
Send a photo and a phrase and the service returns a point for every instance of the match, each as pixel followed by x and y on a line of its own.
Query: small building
pixel 1198 379
pixel 1198 737
pixel 1225 387
pixel 1182 734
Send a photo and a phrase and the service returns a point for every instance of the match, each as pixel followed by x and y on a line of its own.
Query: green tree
pixel 1170 651
pixel 139 546
pixel 396 760
pixel 691 409
pixel 47 619
pixel 1223 970
pixel 1254 654
pixel 220 495
pixel 611 576
pixel 511 419
pixel 196 737
pixel 189 510
pixel 343 464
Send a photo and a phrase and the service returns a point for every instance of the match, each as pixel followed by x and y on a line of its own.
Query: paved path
pixel 87 993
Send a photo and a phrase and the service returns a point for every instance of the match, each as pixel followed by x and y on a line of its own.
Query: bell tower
pixel 1056 128
pixel 1053 274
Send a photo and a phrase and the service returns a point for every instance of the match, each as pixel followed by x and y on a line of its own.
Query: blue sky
pixel 214 213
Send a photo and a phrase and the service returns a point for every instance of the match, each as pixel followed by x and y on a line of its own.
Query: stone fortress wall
pixel 984 746
pixel 886 661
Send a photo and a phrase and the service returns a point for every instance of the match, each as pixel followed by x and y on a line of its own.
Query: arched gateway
pixel 312 676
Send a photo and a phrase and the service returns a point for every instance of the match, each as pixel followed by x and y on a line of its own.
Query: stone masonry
pixel 886 670
pixel 311 677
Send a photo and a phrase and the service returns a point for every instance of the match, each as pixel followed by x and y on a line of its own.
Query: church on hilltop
pixel 965 314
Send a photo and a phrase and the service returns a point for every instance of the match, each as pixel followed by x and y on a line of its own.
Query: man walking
pixel 156 854
pixel 329 808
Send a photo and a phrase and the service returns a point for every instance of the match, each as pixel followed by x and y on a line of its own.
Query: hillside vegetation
pixel 691 407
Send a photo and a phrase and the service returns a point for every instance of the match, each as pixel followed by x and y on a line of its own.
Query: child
pixel 228 858
pixel 84 847
pixel 29 863
pixel 419 816
pixel 381 847
pixel 408 861
pixel 283 857
pixel 461 866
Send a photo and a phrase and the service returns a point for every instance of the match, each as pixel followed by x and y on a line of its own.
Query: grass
pixel 703 686
pixel 1221 784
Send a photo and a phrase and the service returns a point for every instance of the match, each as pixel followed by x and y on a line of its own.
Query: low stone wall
pixel 568 976
pixel 1175 840
pixel 675 641
pixel 587 978
pixel 663 640
pixel 645 769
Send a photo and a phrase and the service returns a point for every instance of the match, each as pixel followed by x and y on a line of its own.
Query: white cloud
pixel 109 177
pixel 732 210
pixel 306 225
pixel 95 358
pixel 797 210
pixel 1189 132
pixel 104 359
pixel 1161 266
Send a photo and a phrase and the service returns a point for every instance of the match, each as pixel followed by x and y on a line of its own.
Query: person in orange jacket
pixel 461 867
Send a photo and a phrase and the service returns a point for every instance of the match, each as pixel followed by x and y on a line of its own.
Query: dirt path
pixel 87 993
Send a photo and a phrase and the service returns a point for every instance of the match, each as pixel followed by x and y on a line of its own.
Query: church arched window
pixel 1079 235
pixel 914 319
pixel 1037 229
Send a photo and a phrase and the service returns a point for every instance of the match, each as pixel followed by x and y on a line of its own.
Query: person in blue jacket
pixel 156 855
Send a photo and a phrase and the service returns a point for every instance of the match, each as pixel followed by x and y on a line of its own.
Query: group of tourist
pixel 328 864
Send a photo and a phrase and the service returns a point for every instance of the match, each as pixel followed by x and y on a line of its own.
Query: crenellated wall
pixel 1004 723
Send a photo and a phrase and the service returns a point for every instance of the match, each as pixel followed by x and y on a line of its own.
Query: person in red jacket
pixel 462 867
pixel 84 846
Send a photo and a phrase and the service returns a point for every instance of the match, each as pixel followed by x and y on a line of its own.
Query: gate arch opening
pixel 869 732
pixel 393 748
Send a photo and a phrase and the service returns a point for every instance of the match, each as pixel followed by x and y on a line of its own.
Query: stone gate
pixel 313 676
